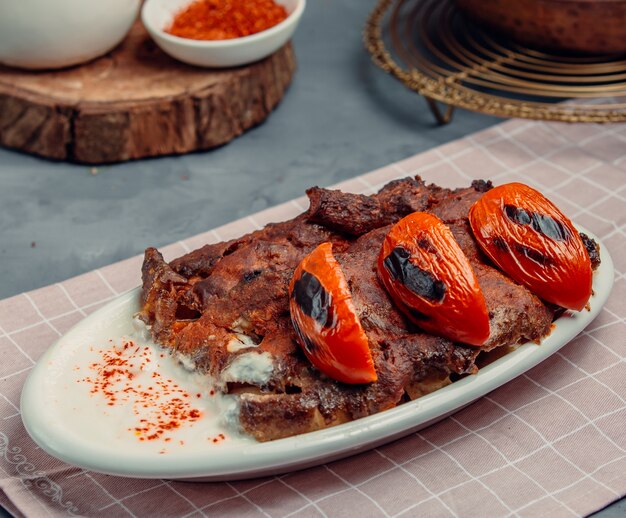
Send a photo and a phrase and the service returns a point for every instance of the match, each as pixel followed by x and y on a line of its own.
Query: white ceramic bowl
pixel 60 33
pixel 157 15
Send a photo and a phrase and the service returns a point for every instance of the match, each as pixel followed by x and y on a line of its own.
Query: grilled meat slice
pixel 515 314
pixel 225 307
pixel 452 206
pixel 403 357
pixel 357 214
pixel 242 280
pixel 236 329
pixel 159 297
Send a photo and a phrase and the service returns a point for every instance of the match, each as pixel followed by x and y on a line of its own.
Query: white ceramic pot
pixel 59 33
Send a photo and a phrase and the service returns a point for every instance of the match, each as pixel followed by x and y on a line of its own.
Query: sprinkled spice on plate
pixel 161 406
pixel 226 19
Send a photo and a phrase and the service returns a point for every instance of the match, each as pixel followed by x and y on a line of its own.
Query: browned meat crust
pixel 236 293
pixel 356 214
pixel 452 206
pixel 593 249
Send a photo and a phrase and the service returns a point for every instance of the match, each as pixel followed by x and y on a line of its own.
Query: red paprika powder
pixel 226 19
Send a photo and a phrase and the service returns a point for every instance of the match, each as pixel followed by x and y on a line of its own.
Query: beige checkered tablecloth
pixel 550 443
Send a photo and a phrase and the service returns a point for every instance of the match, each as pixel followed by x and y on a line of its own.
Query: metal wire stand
pixel 431 48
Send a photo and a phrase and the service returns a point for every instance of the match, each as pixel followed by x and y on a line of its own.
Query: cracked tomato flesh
pixel 326 321
pixel 431 280
pixel 534 243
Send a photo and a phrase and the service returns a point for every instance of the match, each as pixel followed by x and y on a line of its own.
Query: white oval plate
pixel 61 439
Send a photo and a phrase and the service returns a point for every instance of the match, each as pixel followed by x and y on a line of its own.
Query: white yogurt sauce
pixel 132 393
pixel 250 367
pixel 240 341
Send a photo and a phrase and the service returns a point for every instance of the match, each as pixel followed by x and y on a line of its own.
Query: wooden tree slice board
pixel 136 102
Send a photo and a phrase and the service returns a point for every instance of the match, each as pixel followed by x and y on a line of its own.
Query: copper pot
pixel 587 26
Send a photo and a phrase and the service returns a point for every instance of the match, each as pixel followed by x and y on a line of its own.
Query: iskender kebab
pixel 364 302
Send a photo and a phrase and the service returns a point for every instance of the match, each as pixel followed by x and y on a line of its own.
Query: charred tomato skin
pixel 534 243
pixel 326 321
pixel 431 280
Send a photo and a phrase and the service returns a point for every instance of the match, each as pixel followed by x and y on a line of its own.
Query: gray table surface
pixel 341 117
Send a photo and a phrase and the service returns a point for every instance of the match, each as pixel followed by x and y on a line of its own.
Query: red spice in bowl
pixel 226 19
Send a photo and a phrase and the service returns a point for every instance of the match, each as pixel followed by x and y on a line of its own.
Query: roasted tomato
pixel 430 279
pixel 527 237
pixel 326 321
